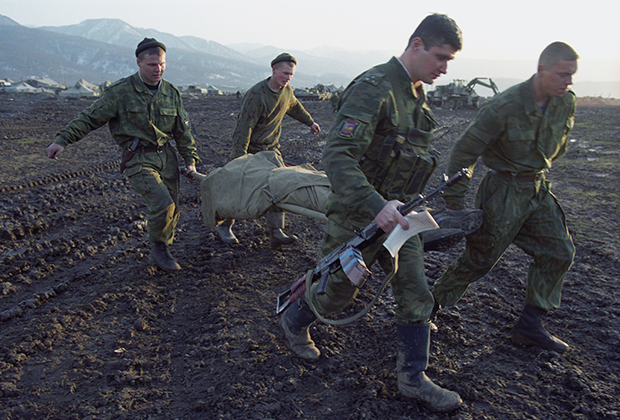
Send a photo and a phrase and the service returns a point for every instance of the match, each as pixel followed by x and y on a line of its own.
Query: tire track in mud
pixel 122 340
pixel 5 189
pixel 49 224
pixel 120 359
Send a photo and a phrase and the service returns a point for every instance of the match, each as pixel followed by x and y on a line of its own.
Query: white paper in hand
pixel 418 222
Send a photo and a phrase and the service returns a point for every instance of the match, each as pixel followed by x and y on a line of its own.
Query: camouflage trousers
pixel 528 215
pixel 414 300
pixel 155 176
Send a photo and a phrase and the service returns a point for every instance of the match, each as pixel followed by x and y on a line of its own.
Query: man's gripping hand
pixel 315 128
pixel 390 216
pixel 54 150
pixel 188 171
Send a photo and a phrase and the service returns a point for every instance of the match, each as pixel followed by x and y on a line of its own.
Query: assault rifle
pixel 332 262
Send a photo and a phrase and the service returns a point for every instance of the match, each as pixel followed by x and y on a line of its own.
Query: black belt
pixel 520 176
pixel 151 149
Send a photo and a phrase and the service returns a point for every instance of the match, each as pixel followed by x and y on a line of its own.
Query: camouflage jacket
pixel 132 110
pixel 260 120
pixel 511 133
pixel 379 102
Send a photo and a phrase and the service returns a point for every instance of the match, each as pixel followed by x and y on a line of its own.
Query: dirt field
pixel 90 330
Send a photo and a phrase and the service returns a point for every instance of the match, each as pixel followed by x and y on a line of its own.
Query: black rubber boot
pixel 160 255
pixel 295 322
pixel 224 231
pixel 441 239
pixel 275 224
pixel 468 221
pixel 529 331
pixel 278 238
pixel 412 362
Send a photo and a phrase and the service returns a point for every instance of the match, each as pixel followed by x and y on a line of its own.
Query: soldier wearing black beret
pixel 144 112
pixel 258 129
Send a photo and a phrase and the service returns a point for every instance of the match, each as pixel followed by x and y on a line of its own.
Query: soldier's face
pixel 152 68
pixel 282 73
pixel 428 65
pixel 556 80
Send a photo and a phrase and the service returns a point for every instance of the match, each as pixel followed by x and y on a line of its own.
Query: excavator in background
pixel 459 94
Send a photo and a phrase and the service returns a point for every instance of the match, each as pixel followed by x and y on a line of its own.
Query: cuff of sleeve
pixel 376 204
pixel 59 140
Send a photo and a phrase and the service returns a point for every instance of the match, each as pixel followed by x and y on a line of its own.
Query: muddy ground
pixel 90 330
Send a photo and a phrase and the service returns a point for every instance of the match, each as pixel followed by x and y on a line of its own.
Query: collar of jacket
pixel 400 76
pixel 526 89
pixel 164 86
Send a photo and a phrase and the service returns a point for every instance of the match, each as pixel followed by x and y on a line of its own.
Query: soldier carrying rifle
pixel 377 155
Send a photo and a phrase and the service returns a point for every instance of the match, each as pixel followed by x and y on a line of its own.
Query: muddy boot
pixel 278 238
pixel 468 221
pixel 295 322
pixel 160 255
pixel 412 361
pixel 275 224
pixel 224 231
pixel 529 331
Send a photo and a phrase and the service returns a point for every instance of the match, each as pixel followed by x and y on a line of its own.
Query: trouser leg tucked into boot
pixel 275 224
pixel 412 362
pixel 160 255
pixel 224 231
pixel 529 331
pixel 295 322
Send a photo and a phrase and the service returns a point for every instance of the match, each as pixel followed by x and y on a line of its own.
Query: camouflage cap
pixel 147 43
pixel 283 57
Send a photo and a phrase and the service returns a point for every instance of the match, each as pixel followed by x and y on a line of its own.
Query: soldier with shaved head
pixel 519 134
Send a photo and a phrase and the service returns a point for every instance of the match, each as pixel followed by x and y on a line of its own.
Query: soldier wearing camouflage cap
pixel 378 155
pixel 144 113
pixel 518 134
pixel 259 125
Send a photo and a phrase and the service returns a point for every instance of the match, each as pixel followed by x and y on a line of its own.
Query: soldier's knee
pixel 567 255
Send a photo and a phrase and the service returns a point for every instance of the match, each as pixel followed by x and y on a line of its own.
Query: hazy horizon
pixel 515 36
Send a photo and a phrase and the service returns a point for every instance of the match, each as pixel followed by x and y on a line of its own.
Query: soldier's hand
pixel 389 217
pixel 188 171
pixel 54 150
pixel 315 128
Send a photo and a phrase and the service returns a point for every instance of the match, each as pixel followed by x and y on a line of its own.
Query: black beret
pixel 147 43
pixel 283 57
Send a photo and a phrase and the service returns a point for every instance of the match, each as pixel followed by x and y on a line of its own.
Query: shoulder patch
pixel 349 128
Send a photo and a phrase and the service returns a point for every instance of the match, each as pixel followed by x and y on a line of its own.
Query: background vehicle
pixel 459 94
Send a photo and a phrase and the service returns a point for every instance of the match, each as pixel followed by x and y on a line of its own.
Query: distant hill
pixel 99 50
pixel 67 54
pixel 4 20
pixel 103 49
pixel 117 32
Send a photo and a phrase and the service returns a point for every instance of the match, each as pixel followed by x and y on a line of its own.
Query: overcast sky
pixel 491 29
